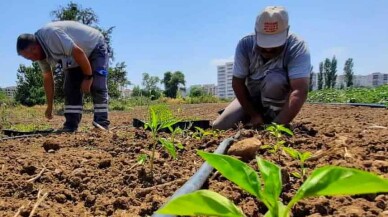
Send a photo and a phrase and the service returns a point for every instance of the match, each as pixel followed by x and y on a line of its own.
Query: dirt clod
pixel 51 145
pixel 246 149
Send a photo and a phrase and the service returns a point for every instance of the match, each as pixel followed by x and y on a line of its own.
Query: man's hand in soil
pixel 86 85
pixel 256 121
pixel 49 112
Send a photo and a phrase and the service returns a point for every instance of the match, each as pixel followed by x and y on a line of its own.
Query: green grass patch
pixel 351 95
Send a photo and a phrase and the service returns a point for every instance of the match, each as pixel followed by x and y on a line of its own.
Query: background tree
pixel 197 91
pixel 3 98
pixel 348 72
pixel 320 76
pixel 330 72
pixel 29 89
pixel 326 73
pixel 171 83
pixel 311 79
pixel 150 84
pixel 333 72
pixel 117 80
pixel 136 91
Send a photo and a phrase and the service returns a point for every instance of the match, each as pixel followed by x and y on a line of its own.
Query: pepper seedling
pixel 324 181
pixel 277 131
pixel 158 120
pixel 301 157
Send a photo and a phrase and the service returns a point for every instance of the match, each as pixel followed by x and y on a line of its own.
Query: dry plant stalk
pixel 20 209
pixel 38 202
pixel 37 176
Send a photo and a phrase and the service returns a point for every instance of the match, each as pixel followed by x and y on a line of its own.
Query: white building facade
pixel 224 81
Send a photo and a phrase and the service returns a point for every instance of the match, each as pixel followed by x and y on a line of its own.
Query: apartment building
pixel 372 80
pixel 9 91
pixel 224 80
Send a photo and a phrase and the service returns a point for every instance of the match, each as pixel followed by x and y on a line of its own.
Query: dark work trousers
pixel 99 60
pixel 268 95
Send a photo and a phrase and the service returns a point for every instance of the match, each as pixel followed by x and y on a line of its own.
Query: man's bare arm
pixel 298 95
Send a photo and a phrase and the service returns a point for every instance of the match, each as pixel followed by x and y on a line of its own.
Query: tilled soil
pixel 93 173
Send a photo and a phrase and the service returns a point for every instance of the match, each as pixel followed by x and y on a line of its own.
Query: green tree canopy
pixel 29 90
pixel 117 79
pixel 320 76
pixel 150 84
pixel 197 91
pixel 171 83
pixel 348 72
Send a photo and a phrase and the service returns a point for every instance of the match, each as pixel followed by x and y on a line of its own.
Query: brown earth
pixel 93 173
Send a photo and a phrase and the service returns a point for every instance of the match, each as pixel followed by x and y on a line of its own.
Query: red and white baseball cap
pixel 272 27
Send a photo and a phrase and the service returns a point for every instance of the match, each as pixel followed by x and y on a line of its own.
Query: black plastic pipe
pixel 199 178
pixel 371 105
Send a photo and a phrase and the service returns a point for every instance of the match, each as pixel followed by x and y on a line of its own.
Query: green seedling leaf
pixel 207 133
pixel 154 119
pixel 179 145
pixel 266 147
pixel 305 156
pixel 200 129
pixel 235 170
pixel 142 159
pixel 199 203
pixel 270 128
pixel 294 154
pixel 282 209
pixel 333 180
pixel 272 183
pixel 168 123
pixel 169 146
pixel 296 174
pixel 284 129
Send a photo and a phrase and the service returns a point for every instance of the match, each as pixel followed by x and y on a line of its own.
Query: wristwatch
pixel 88 77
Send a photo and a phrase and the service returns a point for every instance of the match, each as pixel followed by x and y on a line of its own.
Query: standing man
pixel 83 54
pixel 270 75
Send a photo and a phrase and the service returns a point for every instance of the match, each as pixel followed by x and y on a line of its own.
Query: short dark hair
pixel 25 40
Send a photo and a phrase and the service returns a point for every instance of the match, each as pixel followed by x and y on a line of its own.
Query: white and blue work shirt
pixel 295 59
pixel 58 39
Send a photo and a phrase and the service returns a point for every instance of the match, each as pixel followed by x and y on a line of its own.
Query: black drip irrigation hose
pixel 371 105
pixel 21 137
pixel 198 179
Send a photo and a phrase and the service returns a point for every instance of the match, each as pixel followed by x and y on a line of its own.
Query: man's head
pixel 28 47
pixel 271 31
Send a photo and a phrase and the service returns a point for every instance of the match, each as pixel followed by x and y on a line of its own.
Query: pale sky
pixel 194 36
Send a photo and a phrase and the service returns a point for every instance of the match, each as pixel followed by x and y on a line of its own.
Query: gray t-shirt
pixel 295 59
pixel 58 39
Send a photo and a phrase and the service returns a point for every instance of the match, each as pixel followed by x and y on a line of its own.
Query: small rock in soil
pixel 329 134
pixel 381 165
pixel 381 201
pixel 30 170
pixel 246 149
pixel 60 198
pixel 51 145
pixel 104 164
pixel 121 203
pixel 350 211
pixel 79 172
